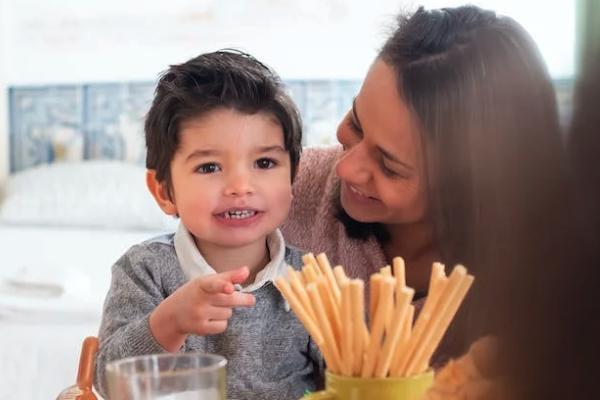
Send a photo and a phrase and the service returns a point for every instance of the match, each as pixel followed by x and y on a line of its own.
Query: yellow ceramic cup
pixel 339 387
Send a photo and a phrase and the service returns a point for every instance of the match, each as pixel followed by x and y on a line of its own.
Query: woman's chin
pixel 357 213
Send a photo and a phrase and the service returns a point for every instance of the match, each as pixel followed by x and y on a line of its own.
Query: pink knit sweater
pixel 312 226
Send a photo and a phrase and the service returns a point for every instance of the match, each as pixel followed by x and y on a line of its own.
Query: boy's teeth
pixel 240 214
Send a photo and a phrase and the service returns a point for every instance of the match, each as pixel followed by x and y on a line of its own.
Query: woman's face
pixel 381 169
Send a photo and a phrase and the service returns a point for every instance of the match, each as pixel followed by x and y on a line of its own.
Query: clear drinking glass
pixel 181 376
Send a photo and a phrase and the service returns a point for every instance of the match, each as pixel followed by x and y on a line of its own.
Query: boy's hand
pixel 202 307
pixel 212 299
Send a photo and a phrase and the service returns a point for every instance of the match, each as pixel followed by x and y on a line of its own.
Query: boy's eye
pixel 265 163
pixel 208 168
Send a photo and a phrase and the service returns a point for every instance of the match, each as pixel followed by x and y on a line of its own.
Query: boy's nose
pixel 239 184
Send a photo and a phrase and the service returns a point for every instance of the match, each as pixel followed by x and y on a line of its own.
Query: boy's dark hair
pixel 226 78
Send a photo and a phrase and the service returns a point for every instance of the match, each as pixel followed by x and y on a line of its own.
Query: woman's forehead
pixel 383 115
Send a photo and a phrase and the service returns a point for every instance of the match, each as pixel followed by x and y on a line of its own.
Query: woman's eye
pixel 386 170
pixel 208 168
pixel 265 163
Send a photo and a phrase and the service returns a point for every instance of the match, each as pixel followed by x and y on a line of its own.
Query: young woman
pixel 451 152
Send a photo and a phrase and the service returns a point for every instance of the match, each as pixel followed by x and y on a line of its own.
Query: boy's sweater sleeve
pixel 125 331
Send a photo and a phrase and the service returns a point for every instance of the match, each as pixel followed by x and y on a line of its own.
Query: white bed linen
pixel 52 285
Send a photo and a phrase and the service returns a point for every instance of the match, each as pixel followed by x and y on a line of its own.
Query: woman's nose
pixel 353 165
pixel 239 183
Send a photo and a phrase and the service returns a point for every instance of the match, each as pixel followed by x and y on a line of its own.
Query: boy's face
pixel 231 178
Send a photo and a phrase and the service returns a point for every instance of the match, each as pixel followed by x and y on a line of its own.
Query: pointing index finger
pixel 224 281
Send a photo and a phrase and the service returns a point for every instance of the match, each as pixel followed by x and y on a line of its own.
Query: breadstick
pixel 298 309
pixel 400 276
pixel 384 308
pixel 440 329
pixel 437 282
pixel 392 337
pixel 348 321
pixel 298 287
pixel 325 267
pixel 443 303
pixel 340 275
pixel 309 259
pixel 358 312
pixel 407 328
pixel 300 277
pixel 310 273
pixel 399 273
pixel 331 309
pixel 329 340
pixel 374 283
pixel 386 271
pixel 405 335
pixel 437 275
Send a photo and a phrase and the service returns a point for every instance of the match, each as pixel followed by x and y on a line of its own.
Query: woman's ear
pixel 160 192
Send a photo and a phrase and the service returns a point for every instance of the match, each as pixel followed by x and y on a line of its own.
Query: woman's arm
pixel 312 190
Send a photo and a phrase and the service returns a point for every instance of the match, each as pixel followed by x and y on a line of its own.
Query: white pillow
pixel 96 194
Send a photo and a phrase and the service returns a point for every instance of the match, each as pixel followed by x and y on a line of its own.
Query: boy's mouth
pixel 238 214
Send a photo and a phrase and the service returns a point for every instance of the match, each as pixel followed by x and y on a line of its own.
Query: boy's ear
pixel 160 192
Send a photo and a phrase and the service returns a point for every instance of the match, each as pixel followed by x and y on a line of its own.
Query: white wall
pixel 92 40
pixel 87 40
pixel 551 23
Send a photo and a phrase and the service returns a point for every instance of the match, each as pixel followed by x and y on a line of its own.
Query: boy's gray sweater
pixel 269 353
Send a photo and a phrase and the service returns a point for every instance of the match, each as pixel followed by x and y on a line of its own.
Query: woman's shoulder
pixel 314 158
pixel 316 167
pixel 314 188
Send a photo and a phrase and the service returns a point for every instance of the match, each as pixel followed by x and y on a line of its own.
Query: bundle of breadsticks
pixel 331 307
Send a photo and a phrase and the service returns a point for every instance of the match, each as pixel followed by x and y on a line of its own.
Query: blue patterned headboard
pixel 105 120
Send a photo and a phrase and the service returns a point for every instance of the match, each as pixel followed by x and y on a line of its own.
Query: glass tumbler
pixel 180 376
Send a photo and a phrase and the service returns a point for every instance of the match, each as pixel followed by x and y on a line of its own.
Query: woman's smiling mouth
pixel 358 193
